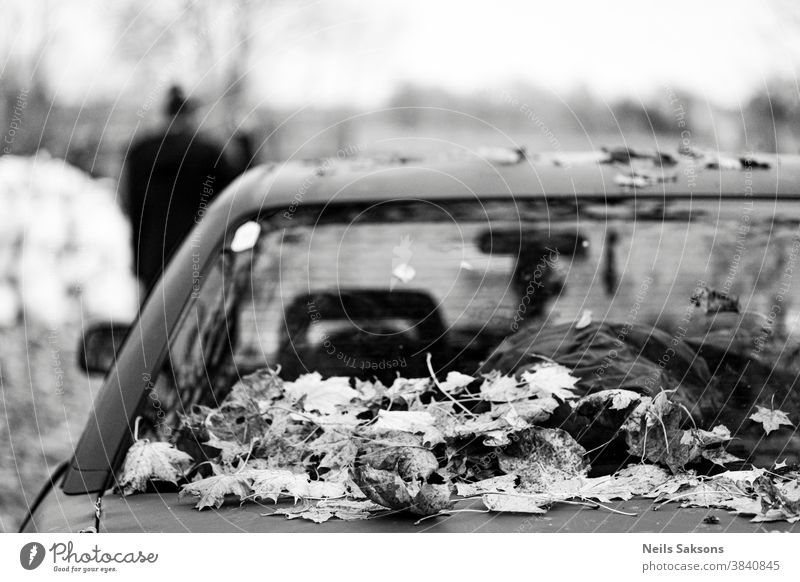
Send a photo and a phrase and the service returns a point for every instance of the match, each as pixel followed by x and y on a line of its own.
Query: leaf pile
pixel 350 449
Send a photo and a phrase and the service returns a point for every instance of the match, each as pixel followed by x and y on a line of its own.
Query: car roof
pixel 491 175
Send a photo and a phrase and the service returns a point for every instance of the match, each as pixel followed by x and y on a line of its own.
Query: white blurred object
pixel 45 299
pixel 404 272
pixel 64 245
pixel 245 237
pixel 110 296
pixel 584 320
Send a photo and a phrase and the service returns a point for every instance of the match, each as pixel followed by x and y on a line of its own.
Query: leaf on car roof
pixel 543 380
pixel 321 395
pixel 409 462
pixel 636 479
pixel 494 427
pixel 383 487
pixel 389 489
pixel 324 510
pixel 770 419
pixel 411 421
pixel 706 493
pixel 456 382
pixel 512 503
pixel 271 483
pixel 720 457
pixel 336 450
pixel 531 410
pixel 543 456
pixel 617 399
pixel 490 485
pixel 653 431
pixel 151 461
pixel 499 388
pixel 551 379
pixel 211 491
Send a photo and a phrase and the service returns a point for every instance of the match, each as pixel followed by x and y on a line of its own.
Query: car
pixel 368 267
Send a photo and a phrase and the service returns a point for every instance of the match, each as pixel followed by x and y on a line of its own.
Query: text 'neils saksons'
pixel 681 549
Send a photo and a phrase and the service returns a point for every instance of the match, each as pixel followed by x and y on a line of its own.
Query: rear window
pixel 368 291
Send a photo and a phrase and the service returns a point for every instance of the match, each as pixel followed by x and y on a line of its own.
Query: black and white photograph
pixel 291 267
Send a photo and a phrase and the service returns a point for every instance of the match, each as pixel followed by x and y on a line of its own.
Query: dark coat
pixel 171 178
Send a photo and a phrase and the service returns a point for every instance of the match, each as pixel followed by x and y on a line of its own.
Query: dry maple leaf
pixel 512 503
pixel 407 389
pixel 673 484
pixel 493 426
pixel 770 419
pixel 619 398
pixel 543 380
pixel 455 382
pixel 324 510
pixel 780 495
pixel 211 491
pixel 634 480
pixel 491 485
pixel 720 456
pixel 550 379
pixel 327 489
pixel 653 432
pixel 411 421
pixel 149 461
pixel 637 479
pixel 324 396
pixel 530 410
pixel 271 483
pixel 499 388
pixel 230 450
pixel 743 479
pixel 716 492
pixel 336 452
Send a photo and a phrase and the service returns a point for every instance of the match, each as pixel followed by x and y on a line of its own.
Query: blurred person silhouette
pixel 172 175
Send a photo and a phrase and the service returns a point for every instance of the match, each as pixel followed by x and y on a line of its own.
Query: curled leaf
pixel 542 456
pixel 431 499
pixel 385 488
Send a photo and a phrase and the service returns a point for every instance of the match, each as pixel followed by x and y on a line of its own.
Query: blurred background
pixel 81 83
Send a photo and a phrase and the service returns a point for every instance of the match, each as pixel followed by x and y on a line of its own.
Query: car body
pixel 69 501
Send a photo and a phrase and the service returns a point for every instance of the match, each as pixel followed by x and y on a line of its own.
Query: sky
pixel 356 52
